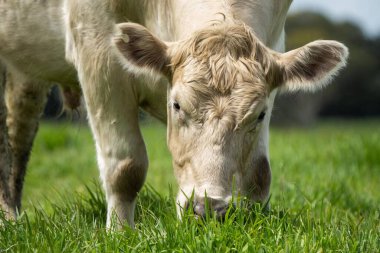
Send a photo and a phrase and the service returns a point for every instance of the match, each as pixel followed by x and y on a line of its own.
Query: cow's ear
pixel 140 50
pixel 310 67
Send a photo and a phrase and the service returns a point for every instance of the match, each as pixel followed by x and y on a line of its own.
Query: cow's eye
pixel 176 106
pixel 261 116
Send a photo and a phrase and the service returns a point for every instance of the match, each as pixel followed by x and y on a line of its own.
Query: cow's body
pixel 34 48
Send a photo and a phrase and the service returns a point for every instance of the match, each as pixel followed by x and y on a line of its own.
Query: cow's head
pixel 220 80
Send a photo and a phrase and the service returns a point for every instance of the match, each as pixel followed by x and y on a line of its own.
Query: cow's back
pixel 32 39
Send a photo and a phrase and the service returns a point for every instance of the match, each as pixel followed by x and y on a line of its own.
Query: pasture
pixel 325 197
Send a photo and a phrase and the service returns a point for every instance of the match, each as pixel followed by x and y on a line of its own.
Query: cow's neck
pixel 191 16
pixel 173 20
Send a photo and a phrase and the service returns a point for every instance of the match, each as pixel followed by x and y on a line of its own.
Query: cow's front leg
pixel 122 160
pixel 6 203
pixel 123 179
pixel 112 102
pixel 25 100
pixel 112 105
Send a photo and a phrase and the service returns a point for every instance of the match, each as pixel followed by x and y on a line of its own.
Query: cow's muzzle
pixel 208 206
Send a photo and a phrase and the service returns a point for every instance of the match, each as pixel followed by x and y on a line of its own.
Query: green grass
pixel 325 198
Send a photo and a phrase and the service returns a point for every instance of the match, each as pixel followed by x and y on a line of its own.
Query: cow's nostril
pixel 199 210
pixel 221 211
pixel 214 207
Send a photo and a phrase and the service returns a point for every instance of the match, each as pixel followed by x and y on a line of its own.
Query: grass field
pixel 325 198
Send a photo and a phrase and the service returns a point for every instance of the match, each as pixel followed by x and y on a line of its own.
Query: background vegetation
pixel 325 198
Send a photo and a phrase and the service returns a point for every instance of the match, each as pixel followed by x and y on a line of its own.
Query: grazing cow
pixel 212 69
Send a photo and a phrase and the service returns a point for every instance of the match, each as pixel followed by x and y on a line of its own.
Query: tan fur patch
pixel 127 179
pixel 261 179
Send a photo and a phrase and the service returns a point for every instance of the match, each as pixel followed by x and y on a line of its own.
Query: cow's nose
pixel 200 210
pixel 218 207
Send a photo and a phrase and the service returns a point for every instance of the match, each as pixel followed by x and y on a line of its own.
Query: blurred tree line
pixel 355 93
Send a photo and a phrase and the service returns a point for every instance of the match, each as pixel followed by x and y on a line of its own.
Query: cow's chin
pixel 189 195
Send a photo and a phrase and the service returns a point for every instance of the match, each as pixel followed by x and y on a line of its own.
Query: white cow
pixel 211 71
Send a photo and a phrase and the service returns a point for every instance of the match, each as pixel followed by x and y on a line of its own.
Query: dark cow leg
pixel 6 203
pixel 25 101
